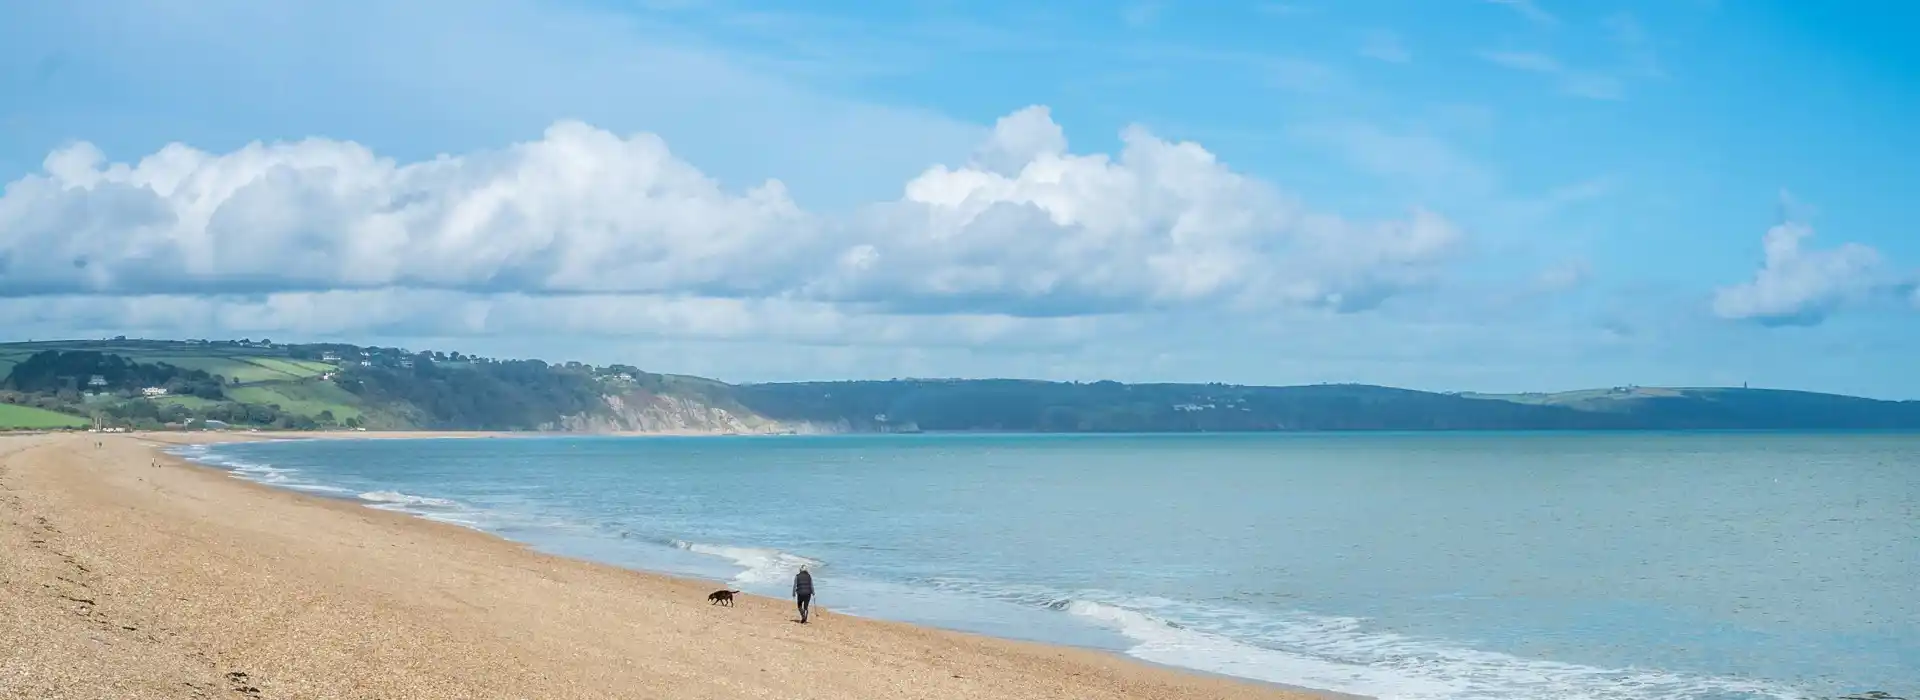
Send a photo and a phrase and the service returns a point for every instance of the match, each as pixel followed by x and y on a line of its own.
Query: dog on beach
pixel 721 596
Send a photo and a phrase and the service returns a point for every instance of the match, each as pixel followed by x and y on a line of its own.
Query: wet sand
pixel 121 579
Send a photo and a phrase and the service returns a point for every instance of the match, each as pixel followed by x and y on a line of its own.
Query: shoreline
pixel 353 500
pixel 361 602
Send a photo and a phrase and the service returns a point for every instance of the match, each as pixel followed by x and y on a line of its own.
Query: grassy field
pixel 243 364
pixel 1616 399
pixel 193 402
pixel 304 398
pixel 267 376
pixel 14 417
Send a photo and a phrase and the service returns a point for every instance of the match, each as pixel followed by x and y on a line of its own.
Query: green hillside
pixel 1614 399
pixel 242 363
pixel 309 398
pixel 152 384
pixel 1012 405
pixel 245 383
pixel 14 417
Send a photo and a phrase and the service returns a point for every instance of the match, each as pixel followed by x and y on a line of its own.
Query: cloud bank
pixel 1025 228
pixel 1801 286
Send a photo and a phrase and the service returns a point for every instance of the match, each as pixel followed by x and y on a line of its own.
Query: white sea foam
pixel 760 565
pixel 431 508
pixel 253 471
pixel 1349 654
pixel 1342 654
pixel 442 510
pixel 407 500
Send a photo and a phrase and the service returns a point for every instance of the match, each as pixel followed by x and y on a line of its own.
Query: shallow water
pixel 1453 565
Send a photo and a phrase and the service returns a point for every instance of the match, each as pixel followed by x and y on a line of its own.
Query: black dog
pixel 721 596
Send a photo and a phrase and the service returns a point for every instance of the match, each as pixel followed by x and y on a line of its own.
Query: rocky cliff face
pixel 645 412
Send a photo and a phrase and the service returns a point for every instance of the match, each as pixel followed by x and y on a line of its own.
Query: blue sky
pixel 1447 194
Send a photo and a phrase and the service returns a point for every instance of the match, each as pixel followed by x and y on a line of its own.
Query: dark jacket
pixel 803 584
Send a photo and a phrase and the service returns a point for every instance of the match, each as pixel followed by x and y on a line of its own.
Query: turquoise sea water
pixel 1497 566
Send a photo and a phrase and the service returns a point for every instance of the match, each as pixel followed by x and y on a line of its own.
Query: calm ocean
pixel 1455 565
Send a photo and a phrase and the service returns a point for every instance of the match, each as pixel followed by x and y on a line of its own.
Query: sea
pixel 1468 566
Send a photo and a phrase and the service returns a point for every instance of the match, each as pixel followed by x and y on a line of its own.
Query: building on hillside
pixel 96 381
pixel 329 356
pixel 153 391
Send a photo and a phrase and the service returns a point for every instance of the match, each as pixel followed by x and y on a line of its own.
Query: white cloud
pixel 1802 286
pixel 1386 46
pixel 455 76
pixel 1026 228
pixel 579 210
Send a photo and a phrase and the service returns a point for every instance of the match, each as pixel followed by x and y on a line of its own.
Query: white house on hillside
pixel 153 391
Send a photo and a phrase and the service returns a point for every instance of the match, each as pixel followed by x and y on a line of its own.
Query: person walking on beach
pixel 803 591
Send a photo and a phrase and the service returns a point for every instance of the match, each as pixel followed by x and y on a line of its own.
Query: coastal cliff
pixel 647 412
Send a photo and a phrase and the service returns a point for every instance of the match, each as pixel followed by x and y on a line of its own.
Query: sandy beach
pixel 122 579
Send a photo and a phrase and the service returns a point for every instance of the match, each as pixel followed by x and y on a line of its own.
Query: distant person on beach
pixel 803 591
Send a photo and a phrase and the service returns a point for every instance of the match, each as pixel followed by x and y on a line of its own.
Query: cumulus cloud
pixel 1025 228
pixel 580 210
pixel 1797 285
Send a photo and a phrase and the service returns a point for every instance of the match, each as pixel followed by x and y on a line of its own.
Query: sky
pixel 1451 195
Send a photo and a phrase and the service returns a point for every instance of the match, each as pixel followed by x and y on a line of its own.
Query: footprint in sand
pixel 239 681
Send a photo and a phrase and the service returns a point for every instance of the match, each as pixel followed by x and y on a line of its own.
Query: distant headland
pixel 243 384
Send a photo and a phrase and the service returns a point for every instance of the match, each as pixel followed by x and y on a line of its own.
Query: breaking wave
pixel 256 472
pixel 396 498
pixel 761 566
pixel 1343 654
